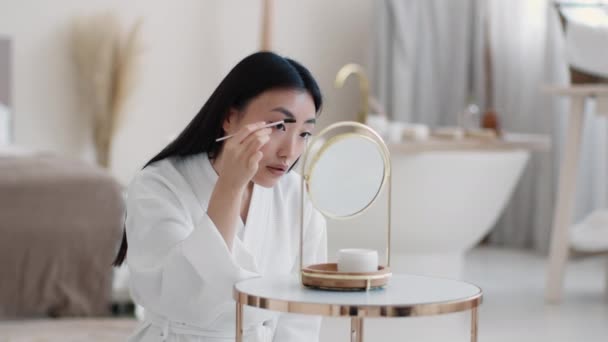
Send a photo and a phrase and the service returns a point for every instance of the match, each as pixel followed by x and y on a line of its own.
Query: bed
pixel 60 224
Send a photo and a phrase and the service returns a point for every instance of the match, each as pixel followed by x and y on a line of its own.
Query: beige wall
pixel 189 46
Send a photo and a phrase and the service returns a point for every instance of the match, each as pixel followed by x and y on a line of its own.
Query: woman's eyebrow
pixel 290 117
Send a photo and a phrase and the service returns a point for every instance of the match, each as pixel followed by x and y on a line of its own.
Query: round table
pixel 403 296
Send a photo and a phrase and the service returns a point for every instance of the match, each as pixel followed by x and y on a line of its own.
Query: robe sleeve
pixel 173 256
pixel 305 328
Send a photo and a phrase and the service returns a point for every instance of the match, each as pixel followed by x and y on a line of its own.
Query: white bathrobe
pixel 182 272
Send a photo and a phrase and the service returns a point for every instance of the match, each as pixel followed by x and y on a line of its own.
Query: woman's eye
pixel 280 127
pixel 305 135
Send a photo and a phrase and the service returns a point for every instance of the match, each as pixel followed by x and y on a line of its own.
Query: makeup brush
pixel 272 124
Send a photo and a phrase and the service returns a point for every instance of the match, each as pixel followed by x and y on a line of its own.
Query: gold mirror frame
pixel 323 275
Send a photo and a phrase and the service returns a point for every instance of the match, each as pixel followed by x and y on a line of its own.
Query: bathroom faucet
pixel 356 69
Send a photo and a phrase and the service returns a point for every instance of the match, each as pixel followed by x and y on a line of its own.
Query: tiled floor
pixel 513 310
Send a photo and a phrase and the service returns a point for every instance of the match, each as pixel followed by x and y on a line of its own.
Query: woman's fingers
pixel 255 141
pixel 254 160
pixel 242 152
pixel 257 135
pixel 252 146
pixel 255 144
pixel 247 130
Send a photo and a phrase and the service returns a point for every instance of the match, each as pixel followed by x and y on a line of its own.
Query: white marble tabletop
pixel 404 295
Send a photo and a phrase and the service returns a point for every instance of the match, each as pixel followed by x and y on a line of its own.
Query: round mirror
pixel 346 174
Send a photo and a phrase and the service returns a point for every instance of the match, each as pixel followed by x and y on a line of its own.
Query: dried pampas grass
pixel 105 63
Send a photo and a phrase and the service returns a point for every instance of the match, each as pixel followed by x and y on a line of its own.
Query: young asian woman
pixel 205 212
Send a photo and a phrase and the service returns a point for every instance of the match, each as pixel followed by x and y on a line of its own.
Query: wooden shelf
pixel 590 89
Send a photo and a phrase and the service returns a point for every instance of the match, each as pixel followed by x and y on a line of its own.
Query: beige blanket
pixel 60 223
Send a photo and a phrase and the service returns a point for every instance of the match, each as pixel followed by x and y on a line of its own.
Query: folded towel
pixel 591 235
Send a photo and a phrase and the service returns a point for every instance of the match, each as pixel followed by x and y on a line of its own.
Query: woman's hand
pixel 239 163
pixel 241 154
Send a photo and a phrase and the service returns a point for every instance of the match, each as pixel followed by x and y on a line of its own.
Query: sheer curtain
pixel 526 45
pixel 425 58
pixel 428 58
pixel 529 52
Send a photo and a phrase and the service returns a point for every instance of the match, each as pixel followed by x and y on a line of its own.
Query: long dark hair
pixel 251 77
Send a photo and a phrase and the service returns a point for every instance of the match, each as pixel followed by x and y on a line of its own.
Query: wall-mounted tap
pixel 357 70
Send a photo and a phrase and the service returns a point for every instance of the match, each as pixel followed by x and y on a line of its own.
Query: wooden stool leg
pixel 558 254
pixel 474 324
pixel 606 280
pixel 356 329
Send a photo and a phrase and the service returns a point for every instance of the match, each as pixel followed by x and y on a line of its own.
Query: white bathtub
pixel 443 204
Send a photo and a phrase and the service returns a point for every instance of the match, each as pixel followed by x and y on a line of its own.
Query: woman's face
pixel 288 140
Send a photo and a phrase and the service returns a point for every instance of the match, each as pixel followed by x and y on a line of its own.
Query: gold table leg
pixel 356 329
pixel 239 322
pixel 474 323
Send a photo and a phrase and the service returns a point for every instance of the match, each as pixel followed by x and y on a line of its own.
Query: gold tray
pixel 327 277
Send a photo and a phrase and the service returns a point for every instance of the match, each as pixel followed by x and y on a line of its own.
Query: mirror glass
pixel 346 174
